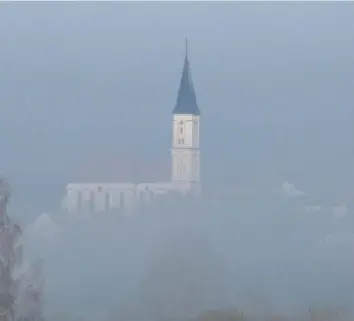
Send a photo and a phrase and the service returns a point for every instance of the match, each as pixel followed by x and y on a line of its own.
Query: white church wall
pixel 87 200
pixel 98 197
pixel 104 197
pixel 71 200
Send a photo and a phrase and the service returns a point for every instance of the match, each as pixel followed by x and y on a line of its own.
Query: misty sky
pixel 274 82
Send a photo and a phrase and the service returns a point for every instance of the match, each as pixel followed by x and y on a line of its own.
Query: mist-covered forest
pixel 180 260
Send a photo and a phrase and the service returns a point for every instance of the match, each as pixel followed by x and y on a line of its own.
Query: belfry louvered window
pixel 181 129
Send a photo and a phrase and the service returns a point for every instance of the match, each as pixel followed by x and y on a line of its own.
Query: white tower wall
pixel 185 152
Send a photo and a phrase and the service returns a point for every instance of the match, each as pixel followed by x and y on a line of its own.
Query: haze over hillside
pixel 176 262
pixel 87 92
pixel 78 79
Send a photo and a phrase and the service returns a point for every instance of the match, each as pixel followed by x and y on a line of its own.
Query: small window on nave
pixel 79 201
pixel 121 200
pixel 91 202
pixel 107 201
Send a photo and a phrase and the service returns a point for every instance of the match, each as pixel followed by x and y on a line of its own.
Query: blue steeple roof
pixel 186 100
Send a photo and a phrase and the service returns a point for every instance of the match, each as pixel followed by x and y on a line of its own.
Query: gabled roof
pixel 186 99
pixel 125 167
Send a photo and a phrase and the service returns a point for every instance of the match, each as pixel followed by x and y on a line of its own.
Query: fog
pixel 274 85
pixel 176 260
pixel 273 81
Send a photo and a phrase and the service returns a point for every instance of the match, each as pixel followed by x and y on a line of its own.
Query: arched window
pixel 151 195
pixel 79 201
pixel 143 199
pixel 92 202
pixel 121 200
pixel 181 127
pixel 107 201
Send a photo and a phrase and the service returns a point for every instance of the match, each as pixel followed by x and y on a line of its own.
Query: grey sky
pixel 273 80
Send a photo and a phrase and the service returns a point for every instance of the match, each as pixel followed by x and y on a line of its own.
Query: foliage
pixel 326 314
pixel 185 276
pixel 21 291
pixel 222 315
pixel 10 256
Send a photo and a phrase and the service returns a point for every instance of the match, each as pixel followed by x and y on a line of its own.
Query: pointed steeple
pixel 186 99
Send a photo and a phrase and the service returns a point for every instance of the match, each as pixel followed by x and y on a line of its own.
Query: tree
pixel 10 256
pixel 327 314
pixel 21 289
pixel 30 297
pixel 221 315
pixel 185 276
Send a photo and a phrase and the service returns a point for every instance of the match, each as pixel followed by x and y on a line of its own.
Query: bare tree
pixel 10 256
pixel 185 277
pixel 30 299
pixel 222 315
pixel 327 314
pixel 21 290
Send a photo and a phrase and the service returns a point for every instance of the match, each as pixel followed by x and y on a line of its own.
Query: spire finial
pixel 186 43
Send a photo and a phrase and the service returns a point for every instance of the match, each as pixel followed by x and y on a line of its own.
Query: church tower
pixel 185 135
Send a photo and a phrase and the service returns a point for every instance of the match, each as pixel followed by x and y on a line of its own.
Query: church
pixel 101 196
